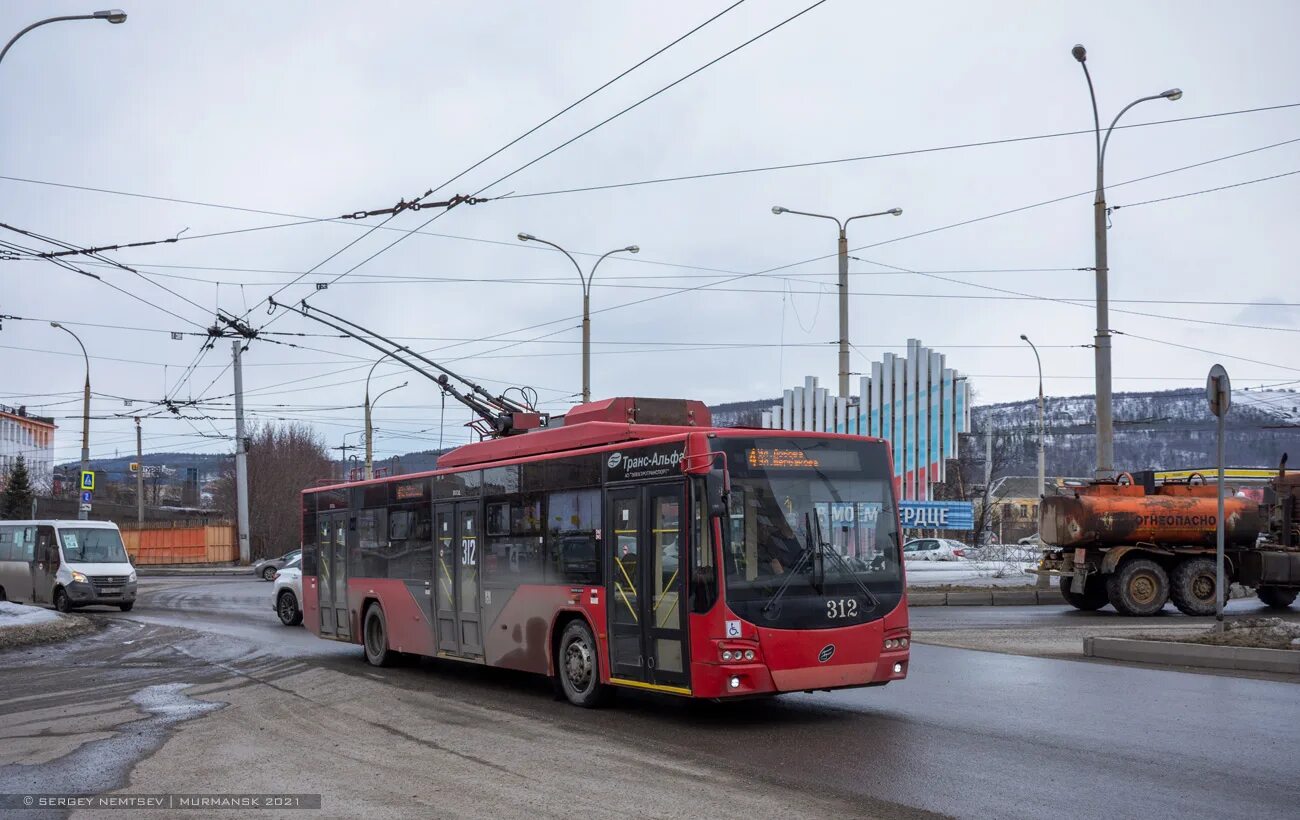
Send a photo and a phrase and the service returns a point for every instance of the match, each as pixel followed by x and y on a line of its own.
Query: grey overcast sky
pixel 325 108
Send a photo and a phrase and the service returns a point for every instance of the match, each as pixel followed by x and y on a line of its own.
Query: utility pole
pixel 988 478
pixel 1102 351
pixel 139 473
pixel 241 457
pixel 843 253
pixel 586 303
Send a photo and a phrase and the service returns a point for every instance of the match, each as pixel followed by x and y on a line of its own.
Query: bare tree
pixel 282 461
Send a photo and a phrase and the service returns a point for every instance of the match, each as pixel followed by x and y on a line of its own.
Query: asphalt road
pixel 969 734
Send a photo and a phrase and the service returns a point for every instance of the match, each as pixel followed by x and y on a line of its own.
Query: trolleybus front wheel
pixel 578 667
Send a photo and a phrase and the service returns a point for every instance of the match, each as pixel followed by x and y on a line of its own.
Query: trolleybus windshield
pixel 812 540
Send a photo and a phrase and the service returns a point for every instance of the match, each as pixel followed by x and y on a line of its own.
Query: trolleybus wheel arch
pixel 577 665
pixel 374 637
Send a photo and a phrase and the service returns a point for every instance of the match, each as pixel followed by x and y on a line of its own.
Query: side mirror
pixel 718 510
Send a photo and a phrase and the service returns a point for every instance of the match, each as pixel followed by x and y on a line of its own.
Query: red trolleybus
pixel 634 546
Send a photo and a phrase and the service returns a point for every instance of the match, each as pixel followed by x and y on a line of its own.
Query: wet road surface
pixel 969 734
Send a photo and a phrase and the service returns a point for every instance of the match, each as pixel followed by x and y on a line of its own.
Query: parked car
pixel 287 592
pixel 933 549
pixel 265 569
pixel 1034 540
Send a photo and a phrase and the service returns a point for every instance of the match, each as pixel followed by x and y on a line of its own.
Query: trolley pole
pixel 241 457
pixel 139 473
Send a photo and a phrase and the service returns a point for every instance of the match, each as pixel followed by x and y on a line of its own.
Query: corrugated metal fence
pixel 161 543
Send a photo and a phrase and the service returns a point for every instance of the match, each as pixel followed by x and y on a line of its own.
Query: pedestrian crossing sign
pixel 87 480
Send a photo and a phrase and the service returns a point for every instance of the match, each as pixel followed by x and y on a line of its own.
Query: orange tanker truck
pixel 1137 544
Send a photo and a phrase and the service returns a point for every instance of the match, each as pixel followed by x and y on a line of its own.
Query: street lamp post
pixel 843 281
pixel 111 15
pixel 1105 424
pixel 586 303
pixel 1042 461
pixel 370 454
pixel 82 513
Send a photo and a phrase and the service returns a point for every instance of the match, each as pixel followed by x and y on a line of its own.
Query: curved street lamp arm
pixel 1038 359
pixel 386 392
pixel 1096 120
pixel 1106 141
pixel 819 216
pixel 586 282
pixel 890 212
pixel 592 275
pixel 39 23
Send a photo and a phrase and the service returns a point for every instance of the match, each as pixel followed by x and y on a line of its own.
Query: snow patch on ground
pixel 17 615
pixel 968 573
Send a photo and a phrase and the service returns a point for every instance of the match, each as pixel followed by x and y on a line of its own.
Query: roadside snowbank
pixel 21 625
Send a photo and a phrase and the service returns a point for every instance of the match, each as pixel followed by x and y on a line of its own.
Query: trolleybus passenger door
pixel 623 543
pixel 456 584
pixel 664 577
pixel 324 571
pixel 467 578
pixel 646 591
pixel 444 581
pixel 332 574
pixel 342 625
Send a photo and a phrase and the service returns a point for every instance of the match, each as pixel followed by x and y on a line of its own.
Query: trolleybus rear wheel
pixel 1139 587
pixel 578 667
pixel 1276 597
pixel 374 637
pixel 1191 587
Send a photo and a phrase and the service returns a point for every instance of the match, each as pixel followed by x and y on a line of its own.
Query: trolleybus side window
pixel 573 536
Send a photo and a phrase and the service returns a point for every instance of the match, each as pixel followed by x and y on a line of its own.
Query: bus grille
pixel 101 581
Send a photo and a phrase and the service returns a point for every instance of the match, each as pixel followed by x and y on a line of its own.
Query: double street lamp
pixel 844 281
pixel 111 15
pixel 82 514
pixel 1105 424
pixel 586 303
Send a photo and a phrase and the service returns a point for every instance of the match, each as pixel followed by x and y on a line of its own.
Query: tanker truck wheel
pixel 1139 587
pixel 1192 586
pixel 1093 596
pixel 1275 597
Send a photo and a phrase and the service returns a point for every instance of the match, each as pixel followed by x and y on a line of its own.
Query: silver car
pixel 267 567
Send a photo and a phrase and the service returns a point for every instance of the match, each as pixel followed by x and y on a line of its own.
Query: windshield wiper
pixel 825 549
pixel 803 557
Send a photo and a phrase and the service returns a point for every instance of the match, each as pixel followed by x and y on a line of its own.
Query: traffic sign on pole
pixel 87 496
pixel 88 480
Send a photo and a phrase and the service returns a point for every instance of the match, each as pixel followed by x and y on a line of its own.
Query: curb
pixel 993 597
pixel 174 571
pixel 1171 653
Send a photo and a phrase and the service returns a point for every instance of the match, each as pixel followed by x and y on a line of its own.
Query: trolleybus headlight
pixel 735 682
pixel 749 654
pixel 898 669
pixel 902 642
pixel 726 654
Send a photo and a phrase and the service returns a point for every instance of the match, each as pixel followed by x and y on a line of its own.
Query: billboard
pixel 937 515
